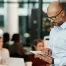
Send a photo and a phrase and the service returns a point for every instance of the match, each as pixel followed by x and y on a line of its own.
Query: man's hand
pixel 44 57
pixel 47 51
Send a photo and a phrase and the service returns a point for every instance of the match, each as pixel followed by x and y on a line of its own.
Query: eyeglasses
pixel 54 17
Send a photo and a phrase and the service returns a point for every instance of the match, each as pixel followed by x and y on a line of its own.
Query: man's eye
pixel 53 18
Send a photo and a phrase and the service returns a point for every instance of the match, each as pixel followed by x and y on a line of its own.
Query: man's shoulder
pixel 63 34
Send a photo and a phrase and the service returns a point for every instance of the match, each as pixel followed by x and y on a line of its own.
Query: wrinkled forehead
pixel 53 11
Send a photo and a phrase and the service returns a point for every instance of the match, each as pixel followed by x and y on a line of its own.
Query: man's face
pixel 55 16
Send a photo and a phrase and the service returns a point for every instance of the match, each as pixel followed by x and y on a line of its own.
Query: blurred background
pixel 26 17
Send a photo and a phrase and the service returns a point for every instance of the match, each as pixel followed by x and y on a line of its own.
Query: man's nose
pixel 52 21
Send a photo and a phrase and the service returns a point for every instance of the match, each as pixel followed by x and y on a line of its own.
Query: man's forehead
pixel 54 6
pixel 52 12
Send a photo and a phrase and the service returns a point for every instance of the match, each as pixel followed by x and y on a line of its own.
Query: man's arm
pixel 46 58
pixel 50 60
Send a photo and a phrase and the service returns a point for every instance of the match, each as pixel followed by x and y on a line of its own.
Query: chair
pixel 16 62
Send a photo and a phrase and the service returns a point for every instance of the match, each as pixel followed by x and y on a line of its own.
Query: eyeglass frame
pixel 51 18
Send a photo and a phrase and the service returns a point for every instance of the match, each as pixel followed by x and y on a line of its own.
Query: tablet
pixel 37 52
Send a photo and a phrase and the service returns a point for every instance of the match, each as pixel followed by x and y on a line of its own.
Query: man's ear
pixel 63 13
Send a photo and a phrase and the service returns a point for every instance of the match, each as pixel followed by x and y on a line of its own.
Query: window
pixel 49 0
pixel 23 3
pixel 1 21
pixel 22 28
pixel 1 3
pixel 26 3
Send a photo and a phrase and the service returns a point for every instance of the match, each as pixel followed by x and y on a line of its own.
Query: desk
pixel 16 62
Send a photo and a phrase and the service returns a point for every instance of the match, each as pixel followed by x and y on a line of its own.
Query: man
pixel 57 42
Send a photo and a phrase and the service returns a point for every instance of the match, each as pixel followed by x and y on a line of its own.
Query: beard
pixel 57 23
pixel 54 24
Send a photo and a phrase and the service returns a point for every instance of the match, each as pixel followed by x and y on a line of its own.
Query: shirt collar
pixel 63 26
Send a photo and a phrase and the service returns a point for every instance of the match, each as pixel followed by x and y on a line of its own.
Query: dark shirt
pixel 37 61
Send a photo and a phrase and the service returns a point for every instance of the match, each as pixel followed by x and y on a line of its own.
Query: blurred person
pixel 17 46
pixel 38 45
pixel 57 43
pixel 17 49
pixel 6 40
pixel 4 53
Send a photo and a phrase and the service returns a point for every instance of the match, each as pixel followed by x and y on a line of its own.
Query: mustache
pixel 54 23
